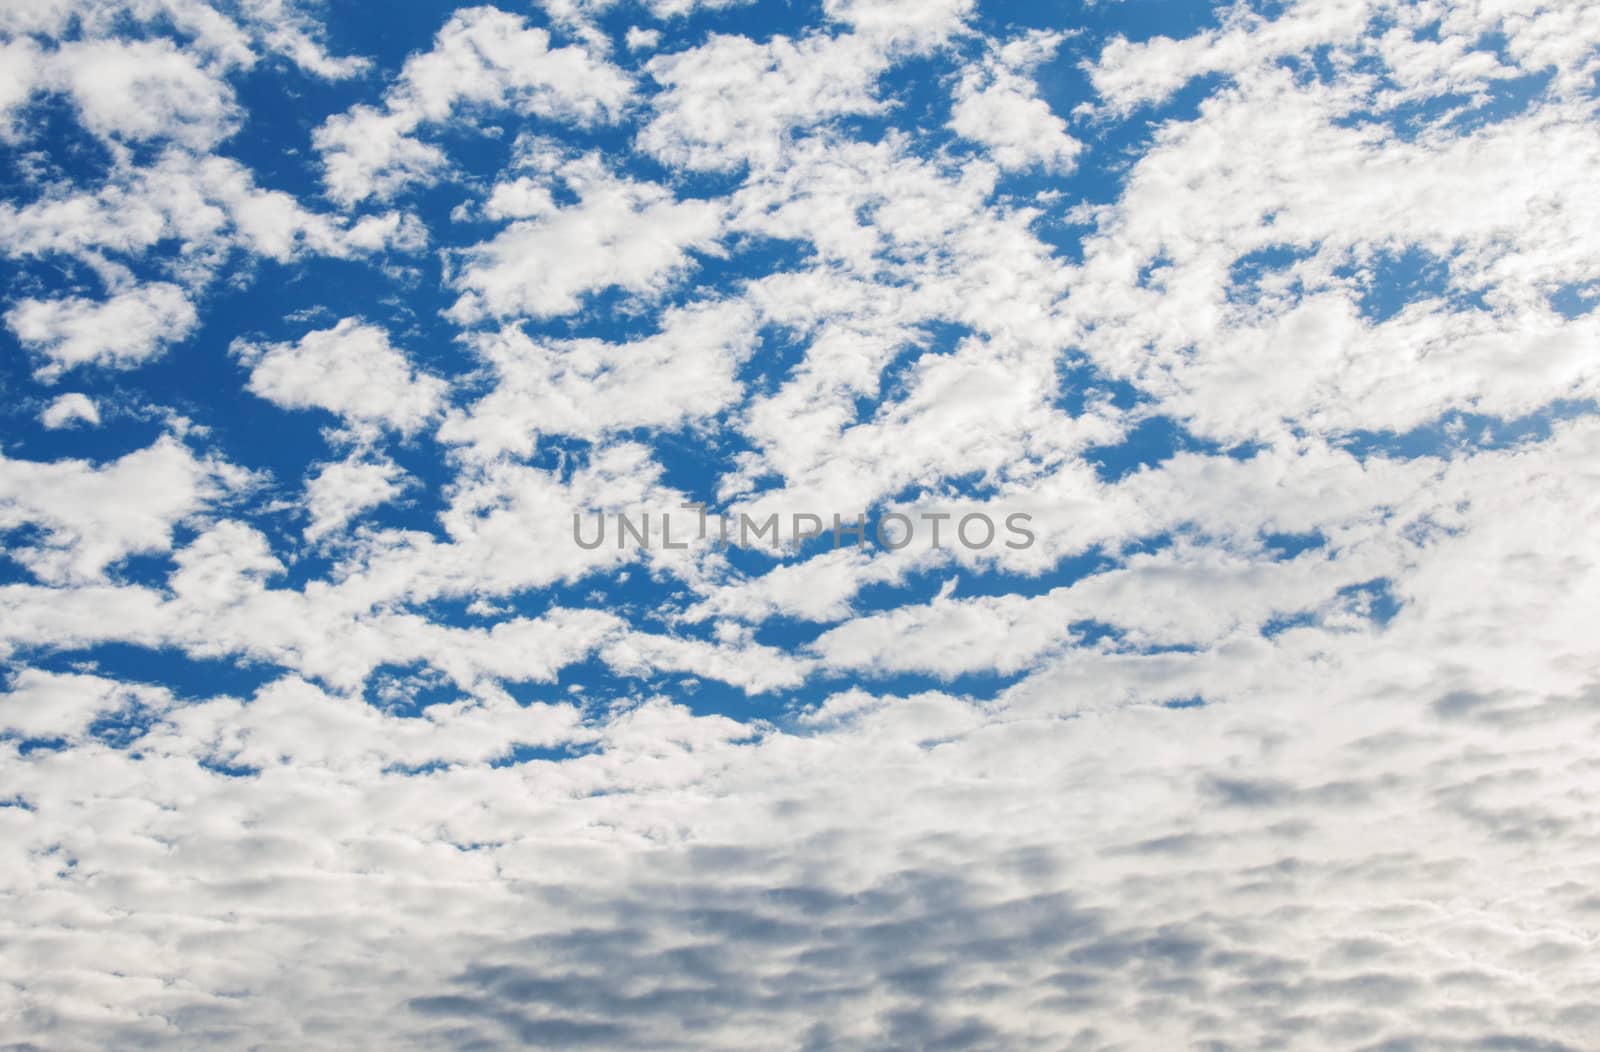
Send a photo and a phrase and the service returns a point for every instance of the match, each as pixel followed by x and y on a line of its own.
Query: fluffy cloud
pixel 901 23
pixel 19 77
pixel 997 104
pixel 344 489
pixel 91 517
pixel 43 705
pixel 1291 290
pixel 124 330
pixel 732 101
pixel 350 369
pixel 631 235
pixel 143 90
pixel 204 205
pixel 589 388
pixel 70 409
pixel 483 57
pixel 130 90
pixel 227 40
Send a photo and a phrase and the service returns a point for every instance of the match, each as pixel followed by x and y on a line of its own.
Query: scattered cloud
pixel 997 104
pixel 1279 328
pixel 343 489
pixel 69 410
pixel 125 330
pixel 482 58
pixel 351 370
pixel 619 233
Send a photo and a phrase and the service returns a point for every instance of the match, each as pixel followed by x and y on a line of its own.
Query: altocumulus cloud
pixel 318 730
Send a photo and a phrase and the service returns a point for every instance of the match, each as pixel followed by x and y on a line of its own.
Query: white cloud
pixel 1430 49
pixel 291 722
pixel 482 58
pixel 68 410
pixel 204 205
pixel 20 76
pixel 906 246
pixel 754 668
pixel 1240 358
pixel 680 8
pixel 590 388
pixel 732 101
pixel 367 152
pixel 1175 598
pixel 997 104
pixel 145 90
pixel 45 705
pixel 640 39
pixel 1130 74
pixel 92 517
pixel 915 24
pixel 286 28
pixel 350 369
pixel 344 489
pixel 129 328
pixel 223 40
pixel 155 88
pixel 817 589
pixel 620 233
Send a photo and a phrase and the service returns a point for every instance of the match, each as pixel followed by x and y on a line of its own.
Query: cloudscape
pixel 800 525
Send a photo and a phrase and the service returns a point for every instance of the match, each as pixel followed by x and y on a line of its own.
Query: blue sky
pixel 1276 320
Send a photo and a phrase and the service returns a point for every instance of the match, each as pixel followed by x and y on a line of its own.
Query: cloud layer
pixel 320 729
